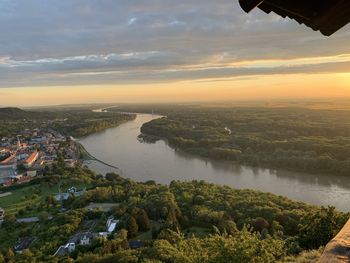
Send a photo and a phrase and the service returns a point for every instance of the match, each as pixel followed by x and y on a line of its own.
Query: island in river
pixel 158 161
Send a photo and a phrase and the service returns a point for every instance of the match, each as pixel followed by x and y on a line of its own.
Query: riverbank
pixel 85 156
pixel 300 140
pixel 157 161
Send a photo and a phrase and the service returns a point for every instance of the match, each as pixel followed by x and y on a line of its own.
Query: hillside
pixel 14 113
pixel 183 222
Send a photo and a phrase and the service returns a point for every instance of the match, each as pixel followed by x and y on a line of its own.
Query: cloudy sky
pixel 73 51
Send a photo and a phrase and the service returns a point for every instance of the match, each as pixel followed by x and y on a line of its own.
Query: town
pixel 28 154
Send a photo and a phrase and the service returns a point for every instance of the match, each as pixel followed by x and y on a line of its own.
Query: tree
pixel 50 200
pixel 27 256
pixel 21 168
pixel 318 228
pixel 143 221
pixel 155 232
pixel 132 227
pixel 44 216
pixel 113 177
pixel 9 254
pixel 171 221
pixel 259 224
pixel 228 226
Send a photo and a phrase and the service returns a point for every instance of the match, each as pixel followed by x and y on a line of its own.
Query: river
pixel 143 161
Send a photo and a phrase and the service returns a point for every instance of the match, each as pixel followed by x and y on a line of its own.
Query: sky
pixel 106 51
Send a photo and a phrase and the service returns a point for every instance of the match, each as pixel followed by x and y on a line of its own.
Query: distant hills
pixel 14 113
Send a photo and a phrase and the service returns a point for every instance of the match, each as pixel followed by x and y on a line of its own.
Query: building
pixel 32 173
pixel 7 173
pixel 22 244
pixel 82 239
pixel 2 214
pixel 111 224
pixel 65 250
pixel 70 163
pixel 71 191
pixel 31 159
pixel 9 161
pixel 135 244
pixel 102 234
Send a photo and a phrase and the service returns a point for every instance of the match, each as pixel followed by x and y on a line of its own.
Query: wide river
pixel 142 162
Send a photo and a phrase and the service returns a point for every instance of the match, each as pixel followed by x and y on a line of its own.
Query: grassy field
pixel 30 195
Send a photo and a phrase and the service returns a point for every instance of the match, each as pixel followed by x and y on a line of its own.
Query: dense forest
pixel 183 222
pixel 307 140
pixel 72 122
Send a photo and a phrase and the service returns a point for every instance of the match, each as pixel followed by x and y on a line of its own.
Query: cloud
pixel 123 41
pixel 132 21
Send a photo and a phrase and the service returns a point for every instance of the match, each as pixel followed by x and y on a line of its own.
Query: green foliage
pixel 227 226
pixel 132 227
pixel 318 228
pixel 190 221
pixel 143 220
pixel 259 224
pixel 75 122
pixel 315 141
pixel 243 247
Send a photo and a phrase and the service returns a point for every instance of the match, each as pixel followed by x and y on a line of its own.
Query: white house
pixel 111 224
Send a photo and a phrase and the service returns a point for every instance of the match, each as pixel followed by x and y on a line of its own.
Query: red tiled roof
pixel 8 159
pixel 32 157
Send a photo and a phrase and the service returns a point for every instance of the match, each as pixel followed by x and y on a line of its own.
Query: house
pixel 31 159
pixel 2 214
pixel 32 173
pixel 38 140
pixel 22 156
pixel 65 250
pixel 102 234
pixel 111 224
pixel 135 244
pixel 70 163
pixel 22 244
pixel 9 160
pixel 72 190
pixel 7 174
pixel 82 239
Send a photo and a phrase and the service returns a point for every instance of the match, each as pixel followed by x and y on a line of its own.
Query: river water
pixel 143 161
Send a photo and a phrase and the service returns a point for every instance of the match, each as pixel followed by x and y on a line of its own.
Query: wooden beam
pixel 249 5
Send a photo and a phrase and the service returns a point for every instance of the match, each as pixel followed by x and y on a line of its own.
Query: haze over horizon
pixel 108 51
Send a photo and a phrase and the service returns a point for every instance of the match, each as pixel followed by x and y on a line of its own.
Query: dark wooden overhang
pixel 327 16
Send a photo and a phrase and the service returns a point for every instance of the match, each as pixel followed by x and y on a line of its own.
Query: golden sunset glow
pixel 336 85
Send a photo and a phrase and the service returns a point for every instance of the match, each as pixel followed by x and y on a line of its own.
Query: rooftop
pixel 327 16
pixel 32 157
pixel 23 243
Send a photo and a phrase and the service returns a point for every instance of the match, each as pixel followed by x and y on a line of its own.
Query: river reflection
pixel 142 161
